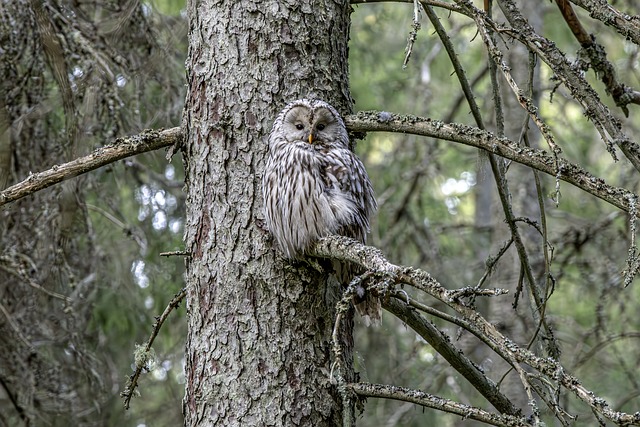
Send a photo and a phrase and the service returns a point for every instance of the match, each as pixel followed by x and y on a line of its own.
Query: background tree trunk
pixel 45 250
pixel 259 329
pixel 70 310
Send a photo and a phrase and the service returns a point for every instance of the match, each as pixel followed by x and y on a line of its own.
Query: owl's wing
pixel 345 176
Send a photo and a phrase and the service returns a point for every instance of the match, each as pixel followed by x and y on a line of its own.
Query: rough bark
pixel 259 328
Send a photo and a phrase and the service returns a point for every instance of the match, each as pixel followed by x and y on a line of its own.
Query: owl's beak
pixel 310 138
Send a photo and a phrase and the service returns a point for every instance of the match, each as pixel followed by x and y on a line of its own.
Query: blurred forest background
pixel 81 279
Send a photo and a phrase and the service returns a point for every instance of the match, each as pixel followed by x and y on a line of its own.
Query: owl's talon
pixel 406 296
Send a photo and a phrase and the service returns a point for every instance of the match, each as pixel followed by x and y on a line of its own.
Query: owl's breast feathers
pixel 317 192
pixel 314 186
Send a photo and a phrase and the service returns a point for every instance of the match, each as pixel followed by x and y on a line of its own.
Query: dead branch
pixel 621 93
pixel 430 401
pixel 625 25
pixel 607 125
pixel 374 261
pixel 555 166
pixel 121 148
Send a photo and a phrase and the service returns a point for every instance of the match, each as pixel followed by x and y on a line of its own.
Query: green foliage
pixel 428 193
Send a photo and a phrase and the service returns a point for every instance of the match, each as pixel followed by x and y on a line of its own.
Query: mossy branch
pixel 374 261
pixel 148 140
pixel 366 121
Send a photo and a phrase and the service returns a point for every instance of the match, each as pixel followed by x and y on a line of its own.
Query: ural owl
pixel 314 186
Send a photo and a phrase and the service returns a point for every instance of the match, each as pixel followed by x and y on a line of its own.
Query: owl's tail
pixel 368 306
pixel 366 303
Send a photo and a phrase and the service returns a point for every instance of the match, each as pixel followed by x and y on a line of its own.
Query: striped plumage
pixel 313 185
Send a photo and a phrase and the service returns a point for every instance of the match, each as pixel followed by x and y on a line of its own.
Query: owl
pixel 314 186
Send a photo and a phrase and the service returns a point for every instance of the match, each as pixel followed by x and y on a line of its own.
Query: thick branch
pixel 430 401
pixel 555 166
pixel 628 26
pixel 121 148
pixel 621 93
pixel 366 121
pixel 451 354
pixel 372 259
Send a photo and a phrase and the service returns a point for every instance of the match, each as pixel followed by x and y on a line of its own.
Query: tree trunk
pixel 258 346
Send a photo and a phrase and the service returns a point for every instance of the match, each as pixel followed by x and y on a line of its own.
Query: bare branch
pixel 621 93
pixel 628 26
pixel 372 259
pixel 13 267
pixel 430 401
pixel 525 101
pixel 457 67
pixel 538 159
pixel 436 3
pixel 361 122
pixel 607 125
pixel 451 354
pixel 121 148
pixel 132 382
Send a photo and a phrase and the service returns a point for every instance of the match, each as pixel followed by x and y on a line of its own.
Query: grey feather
pixel 315 187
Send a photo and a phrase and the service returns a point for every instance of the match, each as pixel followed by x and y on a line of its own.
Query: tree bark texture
pixel 258 346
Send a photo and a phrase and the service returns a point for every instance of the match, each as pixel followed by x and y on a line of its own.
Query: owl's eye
pixel 299 126
pixel 321 126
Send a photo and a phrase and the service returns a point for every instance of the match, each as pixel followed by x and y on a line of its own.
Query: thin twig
pixel 175 253
pixel 436 3
pixel 132 383
pixel 15 328
pixel 413 35
pixel 12 267
pixel 457 67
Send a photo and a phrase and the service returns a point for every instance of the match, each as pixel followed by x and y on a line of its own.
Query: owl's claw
pixel 407 300
pixel 385 285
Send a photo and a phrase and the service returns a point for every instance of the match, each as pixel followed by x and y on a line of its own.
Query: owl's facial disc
pixel 298 121
pixel 320 129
